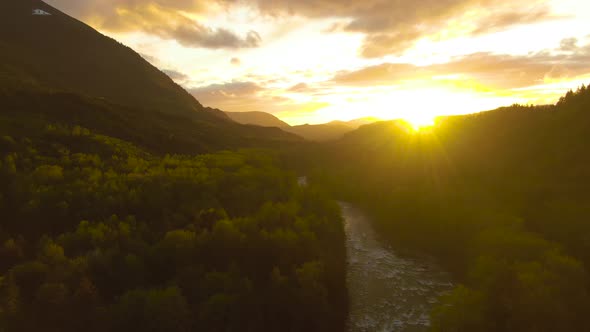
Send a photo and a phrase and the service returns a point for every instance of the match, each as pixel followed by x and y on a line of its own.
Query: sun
pixel 420 121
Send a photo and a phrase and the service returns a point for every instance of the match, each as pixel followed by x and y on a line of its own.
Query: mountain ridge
pixel 313 132
pixel 58 52
pixel 52 57
pixel 263 119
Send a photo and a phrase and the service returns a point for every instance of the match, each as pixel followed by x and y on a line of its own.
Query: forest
pixel 99 234
pixel 109 232
pixel 499 198
pixel 127 205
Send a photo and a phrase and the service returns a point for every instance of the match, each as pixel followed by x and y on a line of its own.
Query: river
pixel 387 292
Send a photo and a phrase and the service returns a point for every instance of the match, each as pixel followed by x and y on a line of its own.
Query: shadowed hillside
pixel 318 133
pixel 257 118
pixel 58 52
pixel 125 205
pixel 120 212
pixel 499 197
pixel 155 131
pixel 322 132
pixel 59 68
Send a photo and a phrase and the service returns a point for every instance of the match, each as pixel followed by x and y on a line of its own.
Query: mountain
pixel 58 52
pixel 65 62
pixel 363 121
pixel 257 118
pixel 516 175
pixel 157 132
pixel 329 131
pixel 321 132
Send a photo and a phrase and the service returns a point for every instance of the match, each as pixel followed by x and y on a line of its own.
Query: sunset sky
pixel 312 61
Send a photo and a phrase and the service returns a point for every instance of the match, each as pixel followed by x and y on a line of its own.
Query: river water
pixel 387 292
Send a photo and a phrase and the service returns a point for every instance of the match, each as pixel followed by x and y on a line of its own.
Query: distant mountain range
pixel 257 118
pixel 320 132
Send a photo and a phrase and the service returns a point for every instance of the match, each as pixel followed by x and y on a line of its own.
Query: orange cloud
pixel 499 71
pixel 393 26
pixel 389 26
pixel 240 96
pixel 162 18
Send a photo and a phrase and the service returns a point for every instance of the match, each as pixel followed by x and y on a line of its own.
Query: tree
pixel 154 310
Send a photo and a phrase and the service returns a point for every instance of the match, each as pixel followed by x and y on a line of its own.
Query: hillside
pixel 322 132
pixel 58 52
pixel 48 60
pixel 319 133
pixel 126 205
pixel 499 198
pixel 257 118
pixel 330 131
pixel 98 234
pixel 158 132
pixel 356 123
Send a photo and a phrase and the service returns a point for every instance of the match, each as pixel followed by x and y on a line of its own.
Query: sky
pixel 314 61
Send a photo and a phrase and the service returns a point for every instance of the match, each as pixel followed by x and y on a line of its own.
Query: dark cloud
pixel 196 35
pixel 234 96
pixel 492 70
pixel 569 44
pixel 501 20
pixel 230 90
pixel 149 58
pixel 240 96
pixel 390 26
pixel 163 18
pixel 176 76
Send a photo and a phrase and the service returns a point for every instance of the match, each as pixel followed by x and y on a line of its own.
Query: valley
pixel 130 202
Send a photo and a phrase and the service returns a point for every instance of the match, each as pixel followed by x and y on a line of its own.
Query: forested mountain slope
pixel 158 132
pixel 322 132
pixel 98 234
pixel 45 61
pixel 58 52
pixel 499 197
pixel 114 219
pixel 317 133
pixel 257 118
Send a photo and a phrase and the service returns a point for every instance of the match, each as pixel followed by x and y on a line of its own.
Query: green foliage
pixel 98 234
pixel 499 198
pixel 461 312
pixel 152 310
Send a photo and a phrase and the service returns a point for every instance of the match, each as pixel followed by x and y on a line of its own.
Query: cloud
pixel 392 26
pixel 301 87
pixel 149 58
pixel 234 96
pixel 162 18
pixel 569 44
pixel 244 96
pixel 389 26
pixel 383 74
pixel 231 89
pixel 235 61
pixel 496 71
pixel 502 20
pixel 176 76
